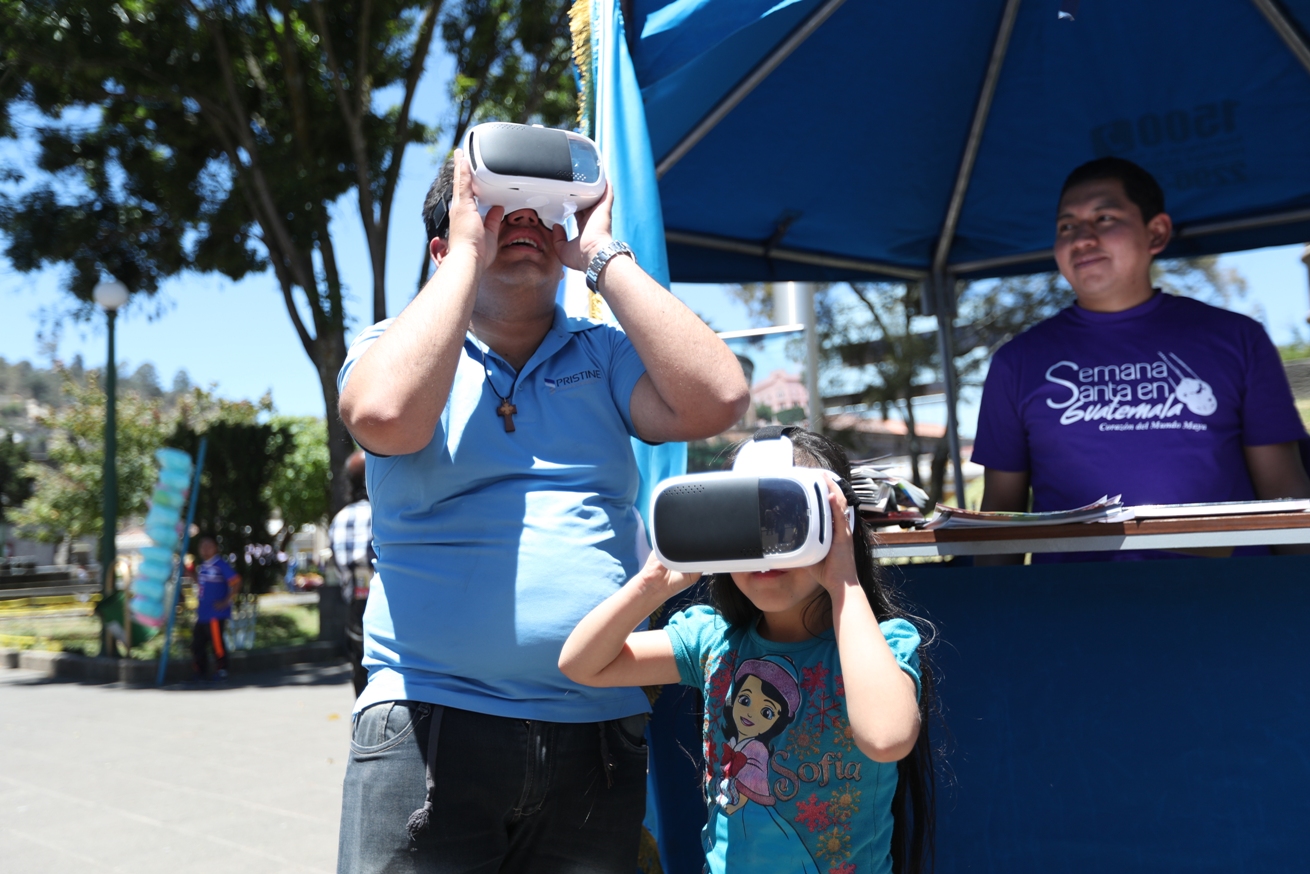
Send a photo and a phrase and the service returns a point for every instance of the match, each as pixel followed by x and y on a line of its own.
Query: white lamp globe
pixel 110 295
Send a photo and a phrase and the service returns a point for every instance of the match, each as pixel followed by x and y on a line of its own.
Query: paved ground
pixel 243 776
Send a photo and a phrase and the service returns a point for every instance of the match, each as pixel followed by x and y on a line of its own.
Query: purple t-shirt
pixel 212 579
pixel 1154 403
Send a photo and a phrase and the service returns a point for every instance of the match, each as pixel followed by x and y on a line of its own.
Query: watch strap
pixel 603 257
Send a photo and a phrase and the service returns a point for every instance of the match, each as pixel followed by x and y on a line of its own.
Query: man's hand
pixel 594 233
pixel 1003 491
pixel 469 231
pixel 1276 472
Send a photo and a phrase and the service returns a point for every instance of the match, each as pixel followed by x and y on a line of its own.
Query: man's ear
pixel 438 248
pixel 1161 229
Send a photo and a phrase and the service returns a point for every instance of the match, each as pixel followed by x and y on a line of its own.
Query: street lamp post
pixel 110 296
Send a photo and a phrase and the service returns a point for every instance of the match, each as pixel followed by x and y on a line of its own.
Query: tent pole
pixel 817 420
pixel 971 146
pixel 942 288
pixel 1277 17
pixel 760 250
pixel 1181 232
pixel 747 85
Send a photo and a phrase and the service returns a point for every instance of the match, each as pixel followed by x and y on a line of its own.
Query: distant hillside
pixel 28 392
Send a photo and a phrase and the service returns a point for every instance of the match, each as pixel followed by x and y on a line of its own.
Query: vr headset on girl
pixel 764 514
pixel 518 166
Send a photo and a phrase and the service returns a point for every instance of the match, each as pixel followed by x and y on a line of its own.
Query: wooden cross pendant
pixel 507 411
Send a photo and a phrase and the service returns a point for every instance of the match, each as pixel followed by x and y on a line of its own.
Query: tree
pixel 15 484
pixel 225 131
pixel 297 488
pixel 66 497
pixel 232 505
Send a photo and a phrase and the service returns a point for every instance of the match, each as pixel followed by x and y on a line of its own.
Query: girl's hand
pixel 837 571
pixel 594 224
pixel 469 231
pixel 656 579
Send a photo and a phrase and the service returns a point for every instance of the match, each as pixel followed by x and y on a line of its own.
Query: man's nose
pixel 525 216
pixel 1083 232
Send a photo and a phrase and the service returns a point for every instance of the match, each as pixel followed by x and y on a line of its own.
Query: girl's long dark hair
pixel 914 816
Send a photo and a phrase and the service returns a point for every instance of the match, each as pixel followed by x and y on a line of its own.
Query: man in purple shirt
pixel 1130 391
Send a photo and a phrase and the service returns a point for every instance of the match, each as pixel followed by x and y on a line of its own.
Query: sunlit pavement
pixel 243 775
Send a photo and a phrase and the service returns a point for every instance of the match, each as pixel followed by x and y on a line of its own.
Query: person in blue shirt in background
pixel 500 467
pixel 216 585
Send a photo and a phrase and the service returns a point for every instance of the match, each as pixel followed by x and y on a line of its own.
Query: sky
pixel 238 338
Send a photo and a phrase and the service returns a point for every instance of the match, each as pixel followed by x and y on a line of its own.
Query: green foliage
pixel 28 394
pixel 21 380
pixel 514 62
pixel 298 487
pixel 217 136
pixel 1201 278
pixel 79 632
pixel 67 490
pixel 1294 351
pixel 240 459
pixel 15 483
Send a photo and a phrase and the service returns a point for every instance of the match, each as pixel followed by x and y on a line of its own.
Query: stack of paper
pixel 1223 508
pixel 1107 509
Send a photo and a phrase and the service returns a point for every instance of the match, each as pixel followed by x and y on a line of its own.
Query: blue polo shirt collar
pixel 561 329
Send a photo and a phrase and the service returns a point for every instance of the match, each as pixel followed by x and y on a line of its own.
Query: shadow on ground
pixel 323 674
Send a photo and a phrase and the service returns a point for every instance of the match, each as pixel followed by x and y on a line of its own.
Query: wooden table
pixel 1192 534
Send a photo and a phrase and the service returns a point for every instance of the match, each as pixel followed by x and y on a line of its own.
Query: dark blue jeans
pixel 509 795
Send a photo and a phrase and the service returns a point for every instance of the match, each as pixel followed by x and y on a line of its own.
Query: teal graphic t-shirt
pixel 787 789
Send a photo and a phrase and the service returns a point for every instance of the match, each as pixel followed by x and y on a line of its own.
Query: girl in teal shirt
pixel 816 700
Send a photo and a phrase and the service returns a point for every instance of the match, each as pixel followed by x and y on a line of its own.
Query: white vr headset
pixel 520 166
pixel 764 514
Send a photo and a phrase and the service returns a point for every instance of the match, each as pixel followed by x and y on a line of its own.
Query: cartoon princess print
pixel 762 701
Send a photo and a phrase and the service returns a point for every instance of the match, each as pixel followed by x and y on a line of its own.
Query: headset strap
pixel 773 432
pixel 776 432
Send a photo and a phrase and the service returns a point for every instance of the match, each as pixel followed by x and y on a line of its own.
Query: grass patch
pixel 77 630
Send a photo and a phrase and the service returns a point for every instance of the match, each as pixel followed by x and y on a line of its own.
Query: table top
pixel 1189 533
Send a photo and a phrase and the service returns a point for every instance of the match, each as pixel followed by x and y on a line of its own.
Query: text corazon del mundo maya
pixel 1146 395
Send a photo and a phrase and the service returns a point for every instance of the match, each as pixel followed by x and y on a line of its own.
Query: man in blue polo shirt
pixel 503 482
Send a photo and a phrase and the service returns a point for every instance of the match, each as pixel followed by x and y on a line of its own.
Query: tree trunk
pixel 940 455
pixel 332 354
pixel 912 443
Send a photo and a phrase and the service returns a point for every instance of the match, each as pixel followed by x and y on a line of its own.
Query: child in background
pixel 815 737
pixel 216 585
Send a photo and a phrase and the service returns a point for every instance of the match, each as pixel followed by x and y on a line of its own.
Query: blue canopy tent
pixel 822 140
